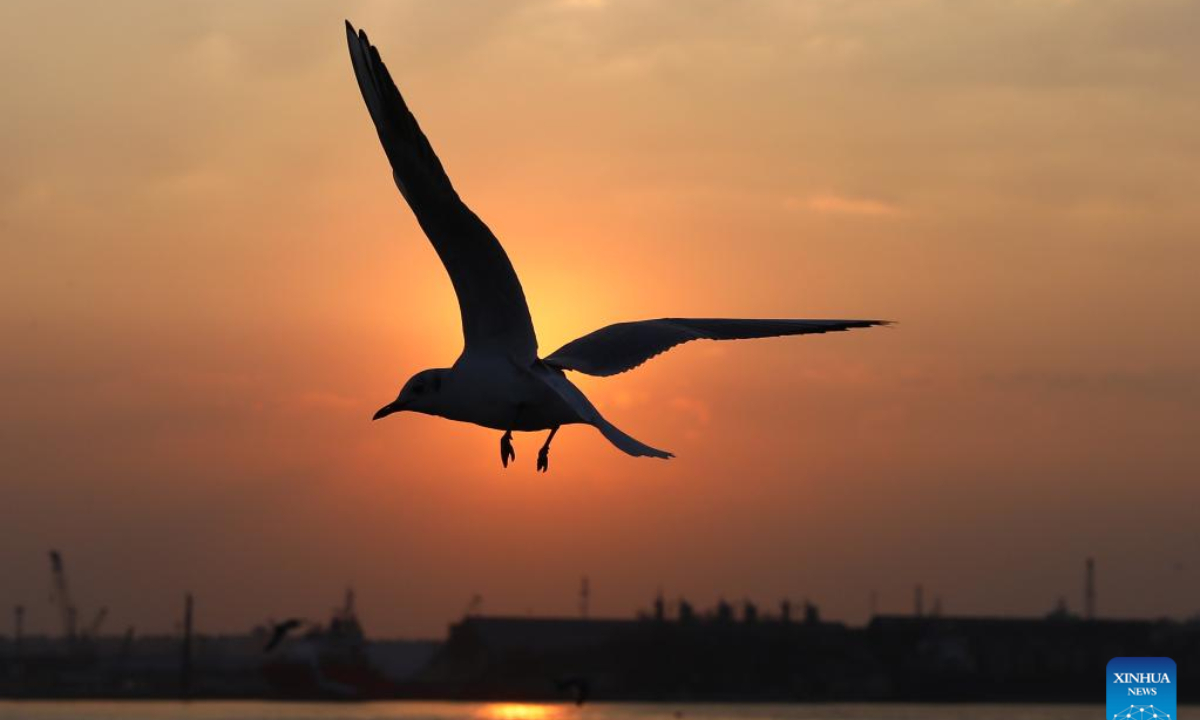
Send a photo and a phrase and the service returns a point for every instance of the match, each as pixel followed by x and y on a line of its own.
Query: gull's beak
pixel 392 407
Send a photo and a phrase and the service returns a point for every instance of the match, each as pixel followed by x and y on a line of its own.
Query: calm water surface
pixel 88 710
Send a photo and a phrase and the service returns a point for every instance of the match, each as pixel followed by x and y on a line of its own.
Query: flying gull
pixel 499 381
pixel 279 631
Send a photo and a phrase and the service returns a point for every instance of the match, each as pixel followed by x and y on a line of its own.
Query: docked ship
pixel 328 661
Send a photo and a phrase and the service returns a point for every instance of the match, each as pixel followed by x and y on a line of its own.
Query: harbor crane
pixel 60 596
pixel 94 628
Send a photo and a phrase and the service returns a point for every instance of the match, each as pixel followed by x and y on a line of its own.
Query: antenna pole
pixel 584 595
pixel 1089 590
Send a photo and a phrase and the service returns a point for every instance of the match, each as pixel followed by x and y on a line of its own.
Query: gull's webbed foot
pixel 506 449
pixel 543 463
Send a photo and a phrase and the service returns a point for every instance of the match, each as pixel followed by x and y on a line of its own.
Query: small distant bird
pixel 576 684
pixel 280 631
pixel 499 381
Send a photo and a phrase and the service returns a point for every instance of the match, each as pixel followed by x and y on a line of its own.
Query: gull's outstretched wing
pixel 624 346
pixel 495 317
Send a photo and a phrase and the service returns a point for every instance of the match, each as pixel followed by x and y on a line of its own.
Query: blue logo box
pixel 1141 688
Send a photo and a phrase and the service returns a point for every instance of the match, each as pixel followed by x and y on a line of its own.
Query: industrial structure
pixel 672 651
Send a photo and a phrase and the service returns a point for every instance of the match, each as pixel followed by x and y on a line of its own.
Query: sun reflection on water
pixel 519 711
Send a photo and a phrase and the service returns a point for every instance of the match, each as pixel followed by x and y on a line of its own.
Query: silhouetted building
pixel 686 613
pixel 701 656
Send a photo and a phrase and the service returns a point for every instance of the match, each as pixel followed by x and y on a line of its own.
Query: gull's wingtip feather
pixel 354 33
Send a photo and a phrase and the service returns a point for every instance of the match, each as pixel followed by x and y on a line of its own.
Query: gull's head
pixel 419 394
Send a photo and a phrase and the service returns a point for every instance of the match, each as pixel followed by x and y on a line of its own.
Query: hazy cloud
pixel 843 205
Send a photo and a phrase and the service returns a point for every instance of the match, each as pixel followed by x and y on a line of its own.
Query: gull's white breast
pixel 495 392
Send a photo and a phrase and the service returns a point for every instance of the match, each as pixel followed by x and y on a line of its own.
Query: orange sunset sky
pixel 210 283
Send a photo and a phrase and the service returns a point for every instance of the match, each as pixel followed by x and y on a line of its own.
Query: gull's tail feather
pixel 626 443
pixel 590 415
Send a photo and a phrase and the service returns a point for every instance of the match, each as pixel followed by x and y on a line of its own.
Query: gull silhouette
pixel 499 381
pixel 279 631
pixel 578 685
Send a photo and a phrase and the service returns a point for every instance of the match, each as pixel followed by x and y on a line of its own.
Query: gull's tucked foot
pixel 543 463
pixel 506 449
